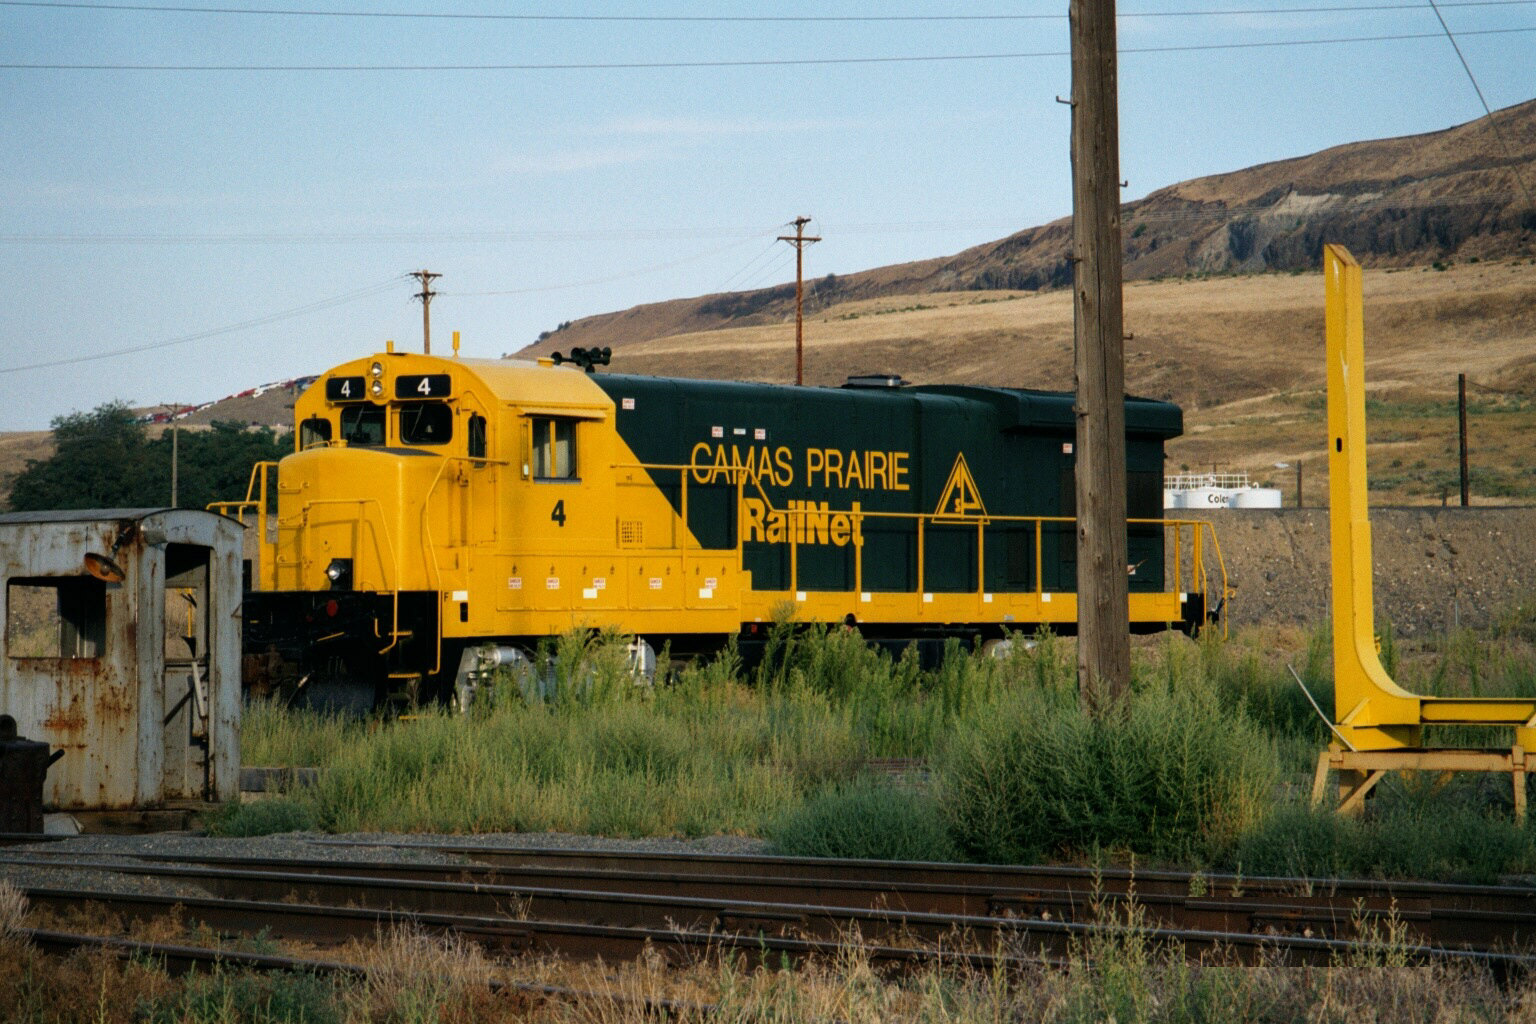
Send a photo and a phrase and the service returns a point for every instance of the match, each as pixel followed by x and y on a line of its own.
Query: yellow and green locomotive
pixel 440 513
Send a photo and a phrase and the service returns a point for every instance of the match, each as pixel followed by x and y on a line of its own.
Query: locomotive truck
pixel 440 515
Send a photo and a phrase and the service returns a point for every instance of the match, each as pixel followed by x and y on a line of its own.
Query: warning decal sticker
pixel 961 496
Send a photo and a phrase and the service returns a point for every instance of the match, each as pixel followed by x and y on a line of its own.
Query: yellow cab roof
pixel 528 383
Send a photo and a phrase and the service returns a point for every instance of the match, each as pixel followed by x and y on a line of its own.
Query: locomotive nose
pixel 343 518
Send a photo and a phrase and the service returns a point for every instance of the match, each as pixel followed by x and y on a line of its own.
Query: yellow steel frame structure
pixel 1379 724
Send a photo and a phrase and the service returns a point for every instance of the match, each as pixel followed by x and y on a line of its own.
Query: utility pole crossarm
pixel 800 240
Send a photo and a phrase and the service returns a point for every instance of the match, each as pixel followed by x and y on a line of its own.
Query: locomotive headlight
pixel 339 572
pixel 377 387
pixel 377 369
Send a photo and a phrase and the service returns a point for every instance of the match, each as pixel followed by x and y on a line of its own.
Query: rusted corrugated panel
pixel 98 692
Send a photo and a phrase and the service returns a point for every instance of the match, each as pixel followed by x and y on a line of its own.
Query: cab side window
pixel 554 449
pixel 476 436
pixel 426 423
pixel 313 431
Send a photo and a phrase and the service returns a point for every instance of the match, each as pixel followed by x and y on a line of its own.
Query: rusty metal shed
pixel 122 648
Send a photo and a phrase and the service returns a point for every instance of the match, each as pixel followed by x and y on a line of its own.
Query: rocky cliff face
pixel 1457 194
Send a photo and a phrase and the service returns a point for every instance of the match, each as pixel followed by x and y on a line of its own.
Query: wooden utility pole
pixel 426 277
pixel 174 412
pixel 1103 604
pixel 800 240
pixel 1461 426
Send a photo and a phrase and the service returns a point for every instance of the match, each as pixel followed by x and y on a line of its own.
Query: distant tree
pixel 215 464
pixel 99 460
pixel 104 459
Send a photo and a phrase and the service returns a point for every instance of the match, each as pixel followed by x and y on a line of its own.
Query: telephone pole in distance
pixel 426 277
pixel 800 240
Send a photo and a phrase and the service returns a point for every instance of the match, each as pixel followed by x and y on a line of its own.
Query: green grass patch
pixel 1475 841
pixel 1208 764
pixel 867 818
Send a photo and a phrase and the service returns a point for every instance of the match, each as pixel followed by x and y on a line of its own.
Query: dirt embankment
pixel 1435 568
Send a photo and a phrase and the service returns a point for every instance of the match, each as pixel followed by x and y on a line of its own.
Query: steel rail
pixel 1408 894
pixel 326 924
pixel 1317 914
pixel 513 907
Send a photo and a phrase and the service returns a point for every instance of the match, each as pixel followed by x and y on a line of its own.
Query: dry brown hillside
pixel 1225 318
pixel 1416 200
pixel 1242 355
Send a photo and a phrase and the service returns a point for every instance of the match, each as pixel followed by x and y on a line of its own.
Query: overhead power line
pixel 770 252
pixel 740 234
pixel 727 18
pixel 761 63
pixel 261 321
pixel 612 277
pixel 1497 131
pixel 437 237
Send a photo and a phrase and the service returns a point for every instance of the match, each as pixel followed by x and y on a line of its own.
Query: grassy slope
pixel 1242 355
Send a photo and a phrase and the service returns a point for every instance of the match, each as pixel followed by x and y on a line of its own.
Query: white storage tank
pixel 1257 497
pixel 1207 497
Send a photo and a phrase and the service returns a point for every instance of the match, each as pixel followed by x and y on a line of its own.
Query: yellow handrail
pixel 255 497
pixel 1200 572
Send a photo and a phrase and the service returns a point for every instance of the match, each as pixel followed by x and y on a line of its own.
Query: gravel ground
pixel 1434 568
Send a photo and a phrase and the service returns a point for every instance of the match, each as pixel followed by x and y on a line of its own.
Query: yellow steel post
pixel 265 550
pixel 793 521
pixel 922 580
pixel 858 557
pixel 1039 560
pixel 981 559
pixel 1372 711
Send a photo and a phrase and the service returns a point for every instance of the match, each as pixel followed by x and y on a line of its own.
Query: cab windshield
pixel 362 424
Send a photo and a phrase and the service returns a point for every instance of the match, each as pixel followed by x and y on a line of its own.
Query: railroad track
pixel 587 904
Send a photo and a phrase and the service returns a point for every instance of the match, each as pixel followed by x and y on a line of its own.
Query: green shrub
pixel 1447 837
pixel 1178 771
pixel 867 818
pixel 263 818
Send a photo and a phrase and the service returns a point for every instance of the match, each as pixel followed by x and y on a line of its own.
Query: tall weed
pixel 1178 771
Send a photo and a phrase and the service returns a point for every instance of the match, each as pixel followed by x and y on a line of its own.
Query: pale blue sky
pixel 142 206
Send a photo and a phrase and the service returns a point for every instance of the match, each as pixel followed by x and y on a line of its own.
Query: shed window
pixel 59 617
pixel 313 431
pixel 554 449
pixel 477 436
pixel 426 423
pixel 362 424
